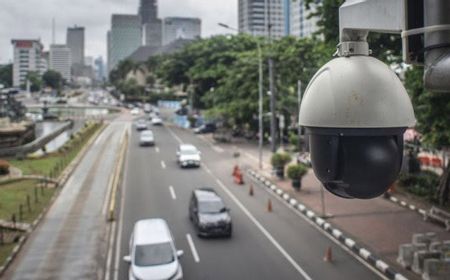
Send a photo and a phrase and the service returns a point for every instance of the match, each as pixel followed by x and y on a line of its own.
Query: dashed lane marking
pixel 193 249
pixel 172 193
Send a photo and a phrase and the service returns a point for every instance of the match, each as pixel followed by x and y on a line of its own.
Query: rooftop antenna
pixel 53 31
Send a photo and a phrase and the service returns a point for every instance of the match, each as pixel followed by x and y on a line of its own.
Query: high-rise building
pixel 99 69
pixel 148 11
pixel 255 15
pixel 151 24
pixel 180 28
pixel 123 38
pixel 27 58
pixel 75 41
pixel 61 60
pixel 302 24
pixel 152 33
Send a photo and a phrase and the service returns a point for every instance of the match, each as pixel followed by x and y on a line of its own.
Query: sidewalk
pixel 378 224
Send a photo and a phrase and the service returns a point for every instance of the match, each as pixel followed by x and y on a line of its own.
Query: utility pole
pixel 299 128
pixel 273 116
pixel 261 122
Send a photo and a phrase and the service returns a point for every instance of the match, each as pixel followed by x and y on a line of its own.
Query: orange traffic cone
pixel 328 255
pixel 235 170
pixel 238 178
pixel 269 206
pixel 250 191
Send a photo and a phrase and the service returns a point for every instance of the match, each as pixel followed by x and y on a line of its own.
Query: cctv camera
pixel 355 112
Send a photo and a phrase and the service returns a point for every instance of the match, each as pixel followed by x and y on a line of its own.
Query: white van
pixel 152 252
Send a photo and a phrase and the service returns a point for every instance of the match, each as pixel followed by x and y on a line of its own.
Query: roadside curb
pixel 116 178
pixel 338 235
pixel 405 204
pixel 60 183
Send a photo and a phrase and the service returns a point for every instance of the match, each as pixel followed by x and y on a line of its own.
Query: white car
pixel 188 155
pixel 146 138
pixel 157 121
pixel 135 111
pixel 141 125
pixel 152 252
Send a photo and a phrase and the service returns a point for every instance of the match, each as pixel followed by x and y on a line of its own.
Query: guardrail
pixel 36 144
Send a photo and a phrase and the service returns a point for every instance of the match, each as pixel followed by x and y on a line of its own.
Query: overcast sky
pixel 29 19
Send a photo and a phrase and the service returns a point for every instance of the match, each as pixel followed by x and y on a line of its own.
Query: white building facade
pixel 301 23
pixel 27 58
pixel 61 60
pixel 174 28
pixel 254 17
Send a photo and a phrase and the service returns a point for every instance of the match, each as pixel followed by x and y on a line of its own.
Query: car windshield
pixel 147 134
pixel 189 152
pixel 153 254
pixel 212 206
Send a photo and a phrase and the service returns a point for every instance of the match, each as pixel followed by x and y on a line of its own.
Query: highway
pixel 277 245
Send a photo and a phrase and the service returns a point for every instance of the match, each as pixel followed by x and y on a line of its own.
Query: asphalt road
pixel 277 245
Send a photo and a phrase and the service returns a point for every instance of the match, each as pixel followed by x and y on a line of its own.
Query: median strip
pixel 114 182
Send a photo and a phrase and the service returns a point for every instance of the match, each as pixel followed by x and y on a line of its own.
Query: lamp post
pixel 260 102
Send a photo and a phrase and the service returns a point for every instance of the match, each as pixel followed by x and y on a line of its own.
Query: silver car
pixel 147 138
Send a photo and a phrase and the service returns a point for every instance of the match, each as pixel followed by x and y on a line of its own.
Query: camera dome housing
pixel 355 111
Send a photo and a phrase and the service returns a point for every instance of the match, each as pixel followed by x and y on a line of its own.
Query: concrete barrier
pixel 36 144
pixel 427 238
pixel 421 256
pixel 440 246
pixel 406 253
pixel 436 269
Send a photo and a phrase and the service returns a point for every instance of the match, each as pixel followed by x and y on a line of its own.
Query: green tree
pixel 203 63
pixel 6 75
pixel 53 79
pixel 386 47
pixel 35 81
pixel 432 111
pixel 120 72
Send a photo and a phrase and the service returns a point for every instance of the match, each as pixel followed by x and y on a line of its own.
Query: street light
pixel 260 103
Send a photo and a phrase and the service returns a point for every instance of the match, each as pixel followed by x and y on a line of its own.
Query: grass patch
pixel 53 164
pixel 5 251
pixel 14 194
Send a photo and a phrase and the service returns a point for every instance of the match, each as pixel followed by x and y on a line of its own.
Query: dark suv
pixel 209 214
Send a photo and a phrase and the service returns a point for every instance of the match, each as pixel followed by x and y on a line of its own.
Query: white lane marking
pixel 99 139
pixel 110 249
pixel 172 193
pixel 193 250
pixel 157 149
pixel 217 149
pixel 174 135
pixel 264 231
pixel 163 164
pixel 207 169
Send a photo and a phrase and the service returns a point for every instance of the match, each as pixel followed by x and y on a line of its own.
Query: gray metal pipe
pixel 437 45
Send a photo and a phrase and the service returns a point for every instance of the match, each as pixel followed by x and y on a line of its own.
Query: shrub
pixel 280 159
pixel 293 140
pixel 4 167
pixel 296 171
pixel 422 184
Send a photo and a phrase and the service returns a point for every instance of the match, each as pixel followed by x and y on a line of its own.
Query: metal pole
pixel 273 116
pixel 299 128
pixel 322 199
pixel 261 123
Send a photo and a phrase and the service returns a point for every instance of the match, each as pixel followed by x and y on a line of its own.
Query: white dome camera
pixel 355 111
